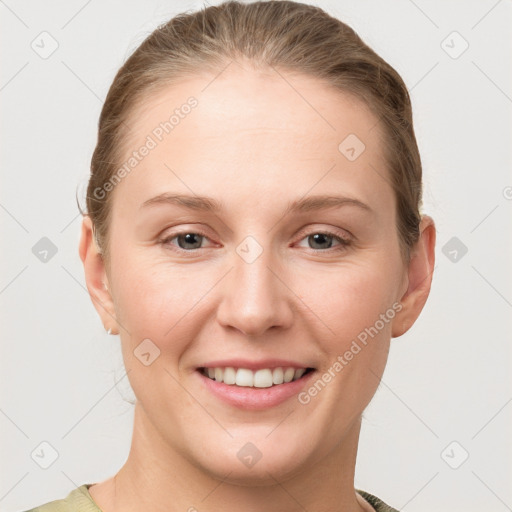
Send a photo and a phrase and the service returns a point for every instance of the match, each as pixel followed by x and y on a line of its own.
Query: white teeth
pixel 229 375
pixel 289 374
pixel 299 373
pixel 264 378
pixel 277 376
pixel 244 377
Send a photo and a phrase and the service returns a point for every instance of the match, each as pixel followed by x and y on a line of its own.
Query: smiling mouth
pixel 262 378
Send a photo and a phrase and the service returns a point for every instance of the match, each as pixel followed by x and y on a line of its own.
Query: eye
pixel 321 240
pixel 189 241
pixel 186 240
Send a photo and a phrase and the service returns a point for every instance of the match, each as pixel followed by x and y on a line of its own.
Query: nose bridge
pixel 254 298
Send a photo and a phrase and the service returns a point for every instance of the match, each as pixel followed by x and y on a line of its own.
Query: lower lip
pixel 255 398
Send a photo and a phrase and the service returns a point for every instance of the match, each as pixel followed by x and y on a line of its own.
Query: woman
pixel 253 234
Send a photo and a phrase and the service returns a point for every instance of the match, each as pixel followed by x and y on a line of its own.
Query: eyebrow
pixel 208 204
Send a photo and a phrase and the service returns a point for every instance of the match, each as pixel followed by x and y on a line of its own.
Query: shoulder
pixel 78 500
pixel 375 502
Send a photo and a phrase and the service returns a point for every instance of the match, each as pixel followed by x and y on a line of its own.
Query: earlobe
pixel 95 276
pixel 420 270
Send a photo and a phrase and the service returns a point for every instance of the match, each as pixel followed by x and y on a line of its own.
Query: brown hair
pixel 282 34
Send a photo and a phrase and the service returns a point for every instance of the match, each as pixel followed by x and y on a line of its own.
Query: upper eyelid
pixel 329 231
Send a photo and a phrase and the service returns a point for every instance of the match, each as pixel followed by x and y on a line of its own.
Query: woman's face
pixel 279 276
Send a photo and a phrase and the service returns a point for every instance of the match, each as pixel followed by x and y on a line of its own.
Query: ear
pixel 419 274
pixel 96 276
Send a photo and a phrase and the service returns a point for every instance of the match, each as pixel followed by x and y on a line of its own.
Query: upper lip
pixel 254 365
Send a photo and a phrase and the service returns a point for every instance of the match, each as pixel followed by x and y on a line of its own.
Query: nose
pixel 255 296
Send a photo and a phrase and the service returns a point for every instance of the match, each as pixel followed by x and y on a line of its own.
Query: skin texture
pixel 254 144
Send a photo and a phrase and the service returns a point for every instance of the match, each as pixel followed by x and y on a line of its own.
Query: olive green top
pixel 79 500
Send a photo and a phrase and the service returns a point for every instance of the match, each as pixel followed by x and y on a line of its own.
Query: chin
pixel 254 464
pixel 262 474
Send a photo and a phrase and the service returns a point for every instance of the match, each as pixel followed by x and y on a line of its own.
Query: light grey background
pixel 448 379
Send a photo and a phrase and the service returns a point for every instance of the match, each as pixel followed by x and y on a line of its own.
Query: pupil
pixel 188 239
pixel 322 236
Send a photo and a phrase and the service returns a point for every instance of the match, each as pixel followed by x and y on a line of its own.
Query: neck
pixel 156 477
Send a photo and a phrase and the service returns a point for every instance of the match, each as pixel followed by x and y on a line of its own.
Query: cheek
pixel 155 295
pixel 155 302
pixel 357 306
pixel 159 301
pixel 351 298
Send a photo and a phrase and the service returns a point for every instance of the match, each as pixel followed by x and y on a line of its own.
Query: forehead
pixel 241 96
pixel 270 127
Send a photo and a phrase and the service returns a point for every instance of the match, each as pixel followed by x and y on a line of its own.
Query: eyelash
pixel 343 242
